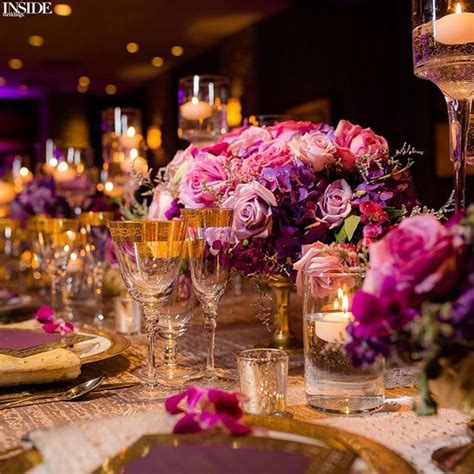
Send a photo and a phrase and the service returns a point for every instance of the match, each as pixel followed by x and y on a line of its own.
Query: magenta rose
pixel 315 149
pixel 161 203
pixel 205 182
pixel 353 141
pixel 319 264
pixel 420 254
pixel 270 154
pixel 252 204
pixel 290 129
pixel 335 204
pixel 250 137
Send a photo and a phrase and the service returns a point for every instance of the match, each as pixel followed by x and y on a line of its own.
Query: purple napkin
pixel 217 459
pixel 21 339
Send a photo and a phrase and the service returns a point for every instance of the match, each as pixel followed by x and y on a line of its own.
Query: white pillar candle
pixel 331 327
pixel 455 28
pixel 196 110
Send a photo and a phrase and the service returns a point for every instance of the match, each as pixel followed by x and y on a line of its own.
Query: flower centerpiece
pixel 290 185
pixel 417 302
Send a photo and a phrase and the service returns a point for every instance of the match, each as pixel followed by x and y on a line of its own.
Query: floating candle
pixel 455 28
pixel 64 173
pixel 196 110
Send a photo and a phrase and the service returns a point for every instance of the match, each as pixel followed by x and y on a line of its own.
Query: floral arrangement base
pixel 283 337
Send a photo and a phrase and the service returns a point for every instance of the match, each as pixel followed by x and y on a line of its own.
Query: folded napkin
pixel 28 357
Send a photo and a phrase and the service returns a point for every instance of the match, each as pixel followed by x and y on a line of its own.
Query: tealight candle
pixel 64 173
pixel 455 28
pixel 331 327
pixel 196 110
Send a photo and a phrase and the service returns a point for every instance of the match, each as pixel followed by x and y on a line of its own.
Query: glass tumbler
pixel 263 375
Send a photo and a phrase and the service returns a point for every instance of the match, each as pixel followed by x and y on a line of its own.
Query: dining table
pixel 73 432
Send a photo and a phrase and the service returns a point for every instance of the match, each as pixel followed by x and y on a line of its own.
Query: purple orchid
pixel 45 316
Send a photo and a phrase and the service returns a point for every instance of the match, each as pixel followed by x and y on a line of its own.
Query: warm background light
pixel 84 81
pixel 154 138
pixel 81 88
pixel 36 40
pixel 62 9
pixel 15 63
pixel 234 112
pixel 157 61
pixel 110 89
pixel 177 51
pixel 132 47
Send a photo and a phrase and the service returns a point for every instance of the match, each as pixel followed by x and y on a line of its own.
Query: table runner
pixel 397 427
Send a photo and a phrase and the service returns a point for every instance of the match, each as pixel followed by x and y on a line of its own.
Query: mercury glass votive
pixel 332 383
pixel 128 316
pixel 263 375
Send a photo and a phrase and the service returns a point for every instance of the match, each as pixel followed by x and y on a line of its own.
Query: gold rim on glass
pixel 96 218
pixel 209 217
pixel 147 231
pixel 53 225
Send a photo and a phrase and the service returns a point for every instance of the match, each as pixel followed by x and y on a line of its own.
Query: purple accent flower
pixel 45 316
pixel 335 204
pixel 252 204
pixel 207 409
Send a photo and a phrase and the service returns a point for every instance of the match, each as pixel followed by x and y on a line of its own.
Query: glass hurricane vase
pixel 443 53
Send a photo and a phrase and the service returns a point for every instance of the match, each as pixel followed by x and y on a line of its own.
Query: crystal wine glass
pixel 56 237
pixel 95 224
pixel 210 239
pixel 443 52
pixel 175 317
pixel 149 256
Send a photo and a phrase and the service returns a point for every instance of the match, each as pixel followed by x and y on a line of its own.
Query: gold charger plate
pixel 379 458
pixel 118 345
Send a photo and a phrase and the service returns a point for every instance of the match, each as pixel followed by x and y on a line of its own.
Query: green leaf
pixel 341 235
pixel 350 226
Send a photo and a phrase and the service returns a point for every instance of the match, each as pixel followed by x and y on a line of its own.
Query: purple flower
pixel 207 409
pixel 45 316
pixel 335 204
pixel 252 204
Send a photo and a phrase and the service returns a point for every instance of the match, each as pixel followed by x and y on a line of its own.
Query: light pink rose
pixel 316 149
pixel 250 137
pixel 420 254
pixel 353 140
pixel 318 265
pixel 252 204
pixel 335 204
pixel 180 164
pixel 290 129
pixel 205 182
pixel 268 155
pixel 162 200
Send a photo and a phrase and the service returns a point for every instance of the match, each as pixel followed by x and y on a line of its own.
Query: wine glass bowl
pixel 149 254
pixel 443 53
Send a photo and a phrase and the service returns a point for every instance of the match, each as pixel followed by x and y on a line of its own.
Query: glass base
pixel 218 378
pixel 345 405
pixel 177 377
pixel 145 393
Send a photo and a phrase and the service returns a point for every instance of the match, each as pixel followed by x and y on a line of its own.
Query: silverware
pixel 71 394
pixel 102 388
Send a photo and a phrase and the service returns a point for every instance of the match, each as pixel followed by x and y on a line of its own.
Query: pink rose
pixel 335 204
pixel 316 149
pixel 252 210
pixel 290 129
pixel 162 200
pixel 353 141
pixel 205 182
pixel 269 155
pixel 180 164
pixel 318 263
pixel 420 254
pixel 251 136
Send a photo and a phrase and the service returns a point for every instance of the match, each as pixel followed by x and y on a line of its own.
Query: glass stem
pixel 98 276
pixel 170 352
pixel 150 313
pixel 56 292
pixel 459 112
pixel 210 316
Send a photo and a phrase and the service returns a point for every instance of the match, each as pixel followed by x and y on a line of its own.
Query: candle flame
pixel 341 302
pixel 195 100
pixel 131 132
pixel 458 8
pixel 63 166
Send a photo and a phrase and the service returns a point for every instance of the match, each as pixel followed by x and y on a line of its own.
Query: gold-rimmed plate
pixel 328 449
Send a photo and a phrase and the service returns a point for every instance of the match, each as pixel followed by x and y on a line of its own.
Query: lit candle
pixel 455 28
pixel 50 166
pixel 7 193
pixel 196 110
pixel 331 327
pixel 131 139
pixel 75 263
pixel 64 173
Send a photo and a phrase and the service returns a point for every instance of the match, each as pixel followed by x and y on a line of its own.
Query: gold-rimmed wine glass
pixel 95 223
pixel 210 238
pixel 56 237
pixel 149 257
